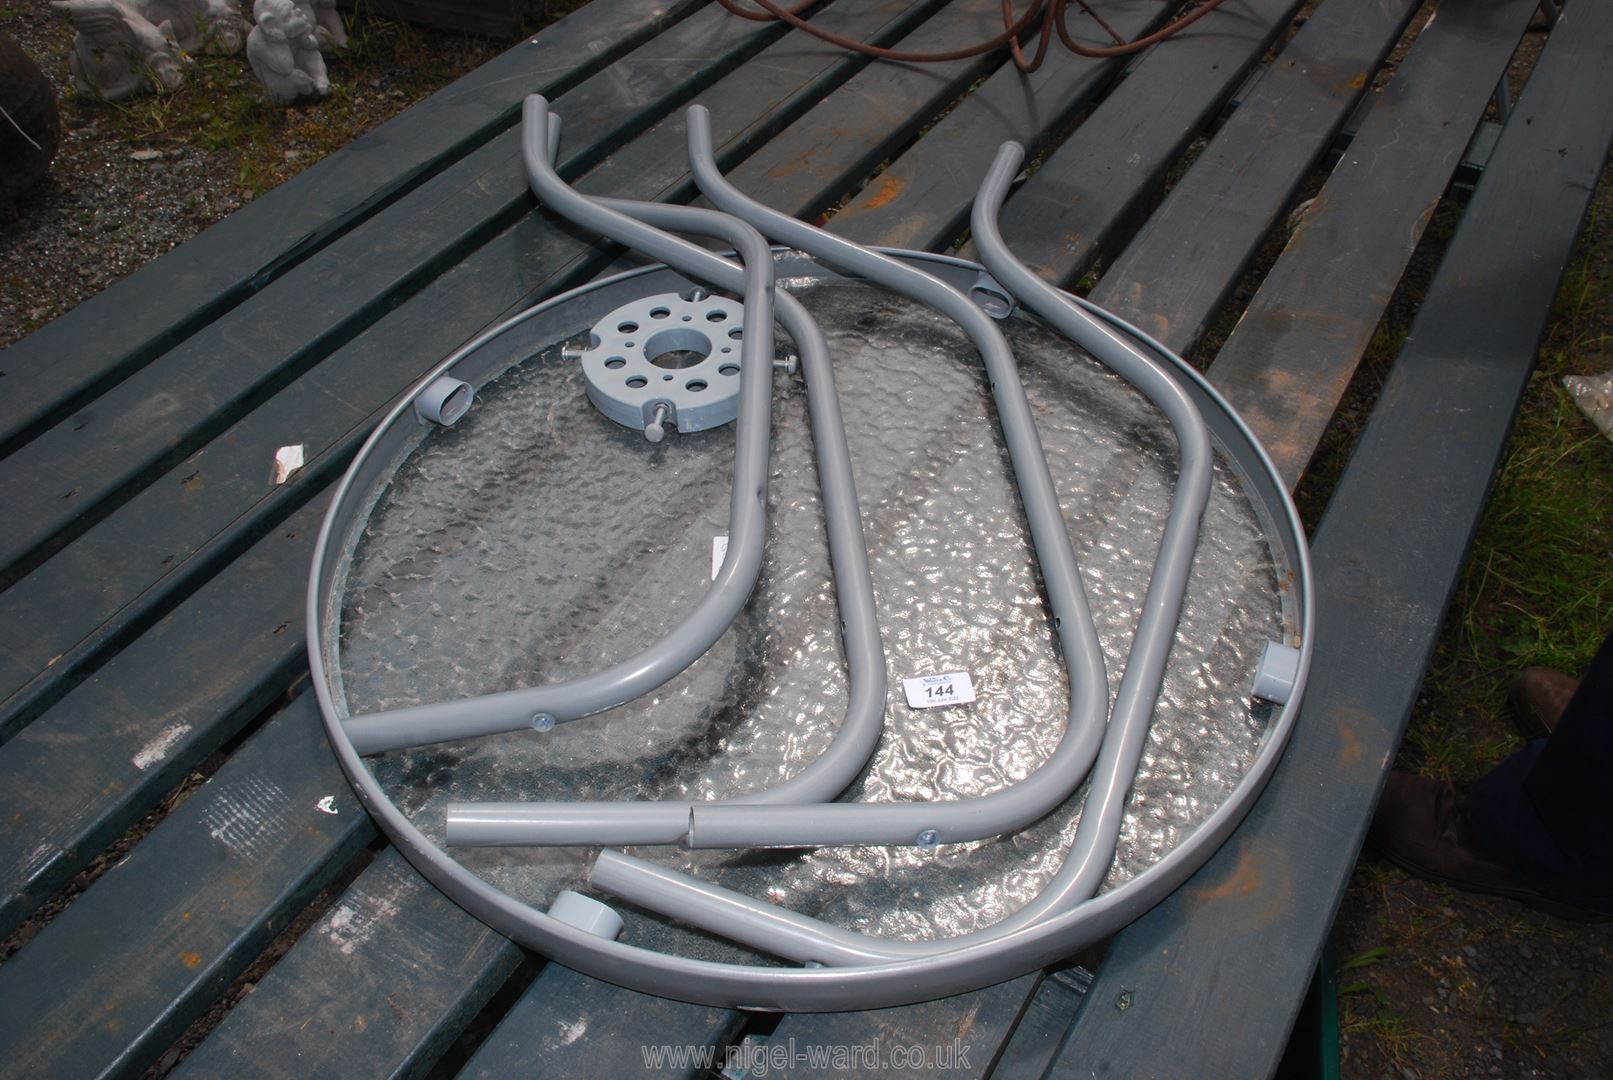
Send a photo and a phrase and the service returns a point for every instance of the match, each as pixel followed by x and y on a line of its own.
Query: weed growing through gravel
pixel 386 67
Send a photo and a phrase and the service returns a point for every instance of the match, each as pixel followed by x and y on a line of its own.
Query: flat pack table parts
pixel 154 572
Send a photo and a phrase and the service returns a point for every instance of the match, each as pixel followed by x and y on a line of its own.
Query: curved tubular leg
pixel 724 825
pixel 798 937
pixel 832 771
pixel 513 710
pixel 1162 603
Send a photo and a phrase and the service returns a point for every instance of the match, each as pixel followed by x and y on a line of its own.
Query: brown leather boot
pixel 1421 826
pixel 1539 695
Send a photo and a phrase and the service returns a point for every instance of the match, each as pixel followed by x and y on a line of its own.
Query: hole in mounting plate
pixel 679 347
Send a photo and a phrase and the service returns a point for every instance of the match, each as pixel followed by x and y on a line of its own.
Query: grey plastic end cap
pixel 1278 670
pixel 444 401
pixel 586 913
pixel 991 297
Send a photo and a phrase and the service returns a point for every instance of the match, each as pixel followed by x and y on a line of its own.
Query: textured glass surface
pixel 537 540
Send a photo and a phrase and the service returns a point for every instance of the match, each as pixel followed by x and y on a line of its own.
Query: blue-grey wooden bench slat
pixel 1254 164
pixel 110 571
pixel 109 751
pixel 655 166
pixel 942 170
pixel 174 405
pixel 1079 198
pixel 481 280
pixel 108 984
pixel 1030 1049
pixel 568 1024
pixel 1286 365
pixel 111 334
pixel 379 986
pixel 951 1036
pixel 837 144
pixel 1258 912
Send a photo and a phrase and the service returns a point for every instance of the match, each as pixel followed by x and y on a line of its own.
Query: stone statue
pixel 284 53
pixel 328 28
pixel 200 26
pixel 117 52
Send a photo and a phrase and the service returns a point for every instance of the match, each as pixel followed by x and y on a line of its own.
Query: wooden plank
pixel 387 978
pixel 922 199
pixel 135 560
pixel 1258 913
pixel 110 750
pixel 1287 364
pixel 1174 275
pixel 489 18
pixel 812 160
pixel 567 1024
pixel 72 816
pixel 1048 1016
pixel 74 358
pixel 150 421
pixel 1096 183
pixel 953 1036
pixel 109 983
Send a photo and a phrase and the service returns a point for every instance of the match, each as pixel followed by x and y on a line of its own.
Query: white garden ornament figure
pixel 118 52
pixel 200 26
pixel 328 28
pixel 284 53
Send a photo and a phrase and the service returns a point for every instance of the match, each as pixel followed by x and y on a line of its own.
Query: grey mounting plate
pixel 667 359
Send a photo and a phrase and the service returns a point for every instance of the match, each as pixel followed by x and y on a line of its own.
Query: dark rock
pixel 28 139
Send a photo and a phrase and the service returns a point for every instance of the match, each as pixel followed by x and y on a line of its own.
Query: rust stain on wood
pixel 1349 747
pixel 890 189
pixel 189 959
pixel 1255 894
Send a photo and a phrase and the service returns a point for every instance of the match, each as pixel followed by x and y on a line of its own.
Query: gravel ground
pixel 1433 983
pixel 134 179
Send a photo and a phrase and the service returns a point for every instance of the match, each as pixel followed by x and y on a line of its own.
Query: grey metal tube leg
pixel 559 702
pixel 798 937
pixel 723 825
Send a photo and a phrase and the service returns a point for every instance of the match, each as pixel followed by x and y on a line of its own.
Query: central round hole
pixel 679 347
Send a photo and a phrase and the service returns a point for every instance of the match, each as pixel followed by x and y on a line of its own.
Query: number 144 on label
pixel 932 691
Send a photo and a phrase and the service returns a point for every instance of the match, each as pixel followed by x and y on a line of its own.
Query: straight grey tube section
pixel 543 706
pixel 723 825
pixel 785 933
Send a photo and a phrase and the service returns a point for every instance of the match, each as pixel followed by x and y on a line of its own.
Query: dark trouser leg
pixel 1546 812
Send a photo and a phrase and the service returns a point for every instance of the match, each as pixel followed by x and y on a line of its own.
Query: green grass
pixel 1538 589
